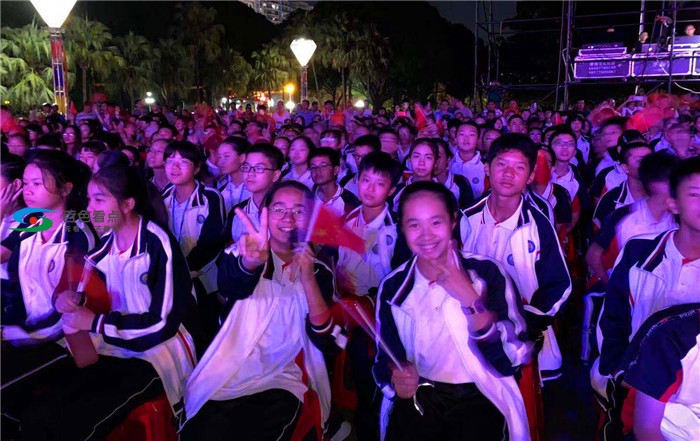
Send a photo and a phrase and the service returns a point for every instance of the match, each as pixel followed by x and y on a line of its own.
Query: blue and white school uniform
pixel 618 197
pixel 35 272
pixel 473 170
pixel 265 327
pixel 232 194
pixel 663 362
pixel 527 246
pixel 607 179
pixel 364 272
pixel 461 188
pixel 341 203
pixel 304 178
pixel 150 292
pixel 421 323
pixel 235 228
pixel 350 184
pixel 651 274
pixel 197 224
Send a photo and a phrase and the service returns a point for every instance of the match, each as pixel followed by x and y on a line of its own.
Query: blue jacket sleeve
pixel 170 285
pixel 554 283
pixel 616 317
pixel 386 326
pixel 209 244
pixel 502 346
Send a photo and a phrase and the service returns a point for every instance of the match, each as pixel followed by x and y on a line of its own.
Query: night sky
pixel 151 18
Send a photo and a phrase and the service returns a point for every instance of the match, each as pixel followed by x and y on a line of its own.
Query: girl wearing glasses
pixel 196 219
pixel 71 141
pixel 276 312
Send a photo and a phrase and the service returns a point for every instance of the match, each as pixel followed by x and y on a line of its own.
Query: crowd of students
pixel 163 252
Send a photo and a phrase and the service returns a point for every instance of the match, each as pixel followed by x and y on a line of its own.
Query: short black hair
pixel 684 171
pixel 656 167
pixel 514 141
pixel 94 146
pixel 308 196
pixel 112 158
pixel 560 130
pixel 468 123
pixel 272 153
pixel 436 190
pixel 52 140
pixel 626 149
pixel 441 143
pixel 240 144
pixel 618 121
pixel 368 140
pixel 326 152
pixel 186 149
pixel 381 163
pixel 11 167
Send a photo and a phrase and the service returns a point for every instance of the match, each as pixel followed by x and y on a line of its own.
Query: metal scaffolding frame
pixel 486 28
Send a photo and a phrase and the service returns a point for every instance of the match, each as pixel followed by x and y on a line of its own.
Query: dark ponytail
pixel 126 182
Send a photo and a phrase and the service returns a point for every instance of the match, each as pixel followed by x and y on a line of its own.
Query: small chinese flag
pixel 543 174
pixel 421 121
pixel 328 229
pixel 73 110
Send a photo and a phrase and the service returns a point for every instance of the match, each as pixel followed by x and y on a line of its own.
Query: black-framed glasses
pixel 257 169
pixel 318 168
pixel 280 212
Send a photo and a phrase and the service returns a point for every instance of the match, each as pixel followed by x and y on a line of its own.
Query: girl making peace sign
pixel 277 304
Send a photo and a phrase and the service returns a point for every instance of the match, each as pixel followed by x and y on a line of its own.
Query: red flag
pixel 329 229
pixel 421 121
pixel 543 174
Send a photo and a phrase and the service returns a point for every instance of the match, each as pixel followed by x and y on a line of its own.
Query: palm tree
pixel 371 53
pixel 337 44
pixel 140 58
pixel 25 58
pixel 234 74
pixel 201 36
pixel 89 46
pixel 174 72
pixel 271 66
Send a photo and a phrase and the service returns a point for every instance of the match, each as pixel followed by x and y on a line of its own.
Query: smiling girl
pixel 454 322
pixel 143 347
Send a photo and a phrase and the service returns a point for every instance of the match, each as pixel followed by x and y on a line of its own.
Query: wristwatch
pixel 477 307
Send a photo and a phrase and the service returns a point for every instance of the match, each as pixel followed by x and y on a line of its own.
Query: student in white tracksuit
pixel 139 271
pixel 454 323
pixel 277 306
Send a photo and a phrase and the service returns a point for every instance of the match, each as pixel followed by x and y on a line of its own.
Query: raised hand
pixel 304 259
pixel 254 246
pixel 8 197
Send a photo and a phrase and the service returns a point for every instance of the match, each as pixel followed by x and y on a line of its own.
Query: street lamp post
pixel 289 88
pixel 54 13
pixel 303 50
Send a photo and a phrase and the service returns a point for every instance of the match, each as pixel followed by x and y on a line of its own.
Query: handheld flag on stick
pixel 358 313
pixel 326 228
